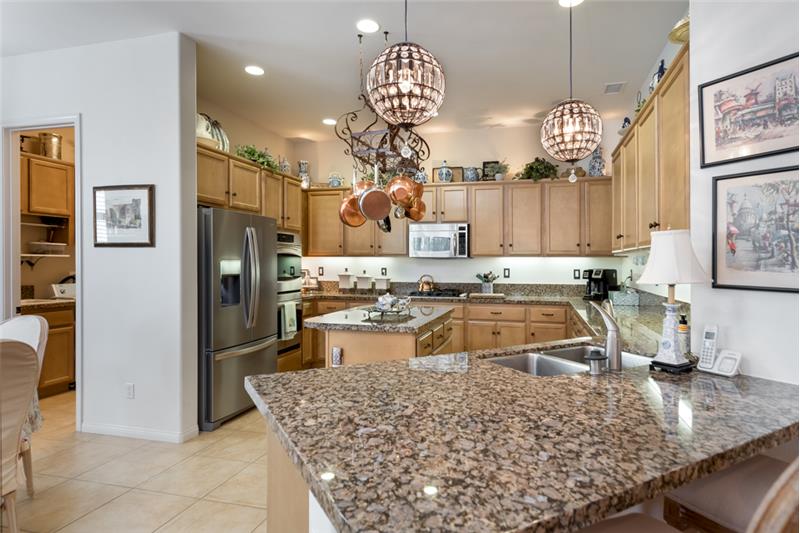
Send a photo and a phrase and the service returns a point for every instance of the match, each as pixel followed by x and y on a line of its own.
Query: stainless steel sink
pixel 537 364
pixel 577 354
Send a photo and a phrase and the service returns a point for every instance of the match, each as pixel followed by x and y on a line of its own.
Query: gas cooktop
pixel 438 293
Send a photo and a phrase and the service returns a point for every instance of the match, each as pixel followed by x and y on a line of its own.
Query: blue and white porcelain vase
pixel 445 173
pixel 471 174
pixel 334 180
pixel 421 176
pixel 597 166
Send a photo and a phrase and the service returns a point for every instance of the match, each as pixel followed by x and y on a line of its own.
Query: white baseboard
pixel 140 432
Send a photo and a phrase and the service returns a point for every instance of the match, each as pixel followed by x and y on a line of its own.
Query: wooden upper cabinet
pixel 24 188
pixel 49 187
pixel 212 178
pixel 245 186
pixel 395 242
pixel 616 193
pixel 673 146
pixel 272 196
pixel 646 174
pixel 629 216
pixel 523 219
pixel 324 227
pixel 562 218
pixel 431 208
pixel 292 205
pixel 597 215
pixel 360 240
pixel 486 224
pixel 452 204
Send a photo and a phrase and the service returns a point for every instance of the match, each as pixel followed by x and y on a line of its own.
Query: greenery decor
pixel 488 277
pixel 539 169
pixel 262 157
pixel 496 168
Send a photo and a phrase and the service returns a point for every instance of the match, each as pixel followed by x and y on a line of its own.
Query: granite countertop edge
pixel 42 305
pixel 413 326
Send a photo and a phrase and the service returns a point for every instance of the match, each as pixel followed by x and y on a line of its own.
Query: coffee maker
pixel 598 282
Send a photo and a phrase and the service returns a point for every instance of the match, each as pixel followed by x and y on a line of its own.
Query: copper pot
pixel 362 185
pixel 349 213
pixel 417 210
pixel 375 204
pixel 418 189
pixel 401 190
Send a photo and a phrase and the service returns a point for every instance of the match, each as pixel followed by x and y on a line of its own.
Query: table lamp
pixel 672 261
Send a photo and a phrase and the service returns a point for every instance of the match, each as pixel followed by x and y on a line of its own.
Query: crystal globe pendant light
pixel 572 129
pixel 405 84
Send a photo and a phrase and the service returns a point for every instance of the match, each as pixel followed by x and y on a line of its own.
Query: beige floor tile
pixel 155 454
pixel 195 477
pixel 78 459
pixel 200 442
pixel 122 471
pixel 42 447
pixel 41 483
pixel 58 506
pixel 125 442
pixel 136 511
pixel 238 446
pixel 213 517
pixel 261 460
pixel 248 487
pixel 261 528
pixel 249 421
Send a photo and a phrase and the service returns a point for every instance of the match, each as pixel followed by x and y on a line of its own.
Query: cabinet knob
pixel 578 245
pixel 533 334
pixel 371 246
pixel 588 245
pixel 441 212
pixel 287 218
pixel 234 194
pixel 656 225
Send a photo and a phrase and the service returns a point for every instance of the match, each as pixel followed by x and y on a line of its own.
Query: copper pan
pixel 418 189
pixel 362 185
pixel 417 210
pixel 401 190
pixel 375 204
pixel 349 213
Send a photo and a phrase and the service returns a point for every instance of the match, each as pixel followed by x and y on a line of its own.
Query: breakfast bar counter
pixel 459 443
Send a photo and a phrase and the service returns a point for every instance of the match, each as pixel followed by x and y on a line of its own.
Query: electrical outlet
pixel 506 273
pixel 576 274
pixel 320 271
pixel 130 391
pixel 383 271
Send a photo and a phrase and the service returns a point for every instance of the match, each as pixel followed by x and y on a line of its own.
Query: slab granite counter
pixel 38 305
pixel 359 319
pixel 457 443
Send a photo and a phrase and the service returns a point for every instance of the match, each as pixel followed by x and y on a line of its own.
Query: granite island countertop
pixel 359 319
pixel 34 305
pixel 457 443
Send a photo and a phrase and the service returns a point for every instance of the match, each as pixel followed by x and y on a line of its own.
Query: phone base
pixel 672 369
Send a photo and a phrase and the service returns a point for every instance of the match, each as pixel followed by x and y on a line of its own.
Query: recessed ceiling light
pixel 329 121
pixel 569 3
pixel 367 26
pixel 254 70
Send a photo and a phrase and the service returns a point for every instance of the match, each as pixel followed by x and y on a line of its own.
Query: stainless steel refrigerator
pixel 238 324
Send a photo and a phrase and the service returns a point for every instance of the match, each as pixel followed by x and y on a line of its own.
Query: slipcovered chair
pixel 19 370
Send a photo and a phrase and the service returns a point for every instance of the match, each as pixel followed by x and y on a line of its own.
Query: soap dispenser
pixel 684 339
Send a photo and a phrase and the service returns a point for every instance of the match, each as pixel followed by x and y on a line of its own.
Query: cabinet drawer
pixel 54 319
pixel 330 307
pixel 290 361
pixel 308 309
pixel 458 311
pixel 425 344
pixel 496 312
pixel 549 314
pixel 438 336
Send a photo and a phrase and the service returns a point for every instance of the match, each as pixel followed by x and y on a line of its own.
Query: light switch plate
pixel 320 271
pixel 383 271
pixel 576 274
pixel 506 273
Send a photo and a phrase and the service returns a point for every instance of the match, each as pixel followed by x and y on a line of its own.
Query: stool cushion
pixel 630 523
pixel 730 497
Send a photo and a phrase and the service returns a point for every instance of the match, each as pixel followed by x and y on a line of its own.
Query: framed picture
pixel 755 231
pixel 124 215
pixel 749 114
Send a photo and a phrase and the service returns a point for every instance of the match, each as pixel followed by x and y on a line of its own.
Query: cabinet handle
pixel 548 314
pixel 620 235
pixel 496 312
pixel 656 225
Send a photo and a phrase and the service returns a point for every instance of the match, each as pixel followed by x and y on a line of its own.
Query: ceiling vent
pixel 615 88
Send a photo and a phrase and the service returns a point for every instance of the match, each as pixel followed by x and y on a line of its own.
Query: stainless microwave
pixel 438 240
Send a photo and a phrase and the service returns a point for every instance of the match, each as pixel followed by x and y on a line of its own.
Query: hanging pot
pixel 362 185
pixel 374 204
pixel 349 213
pixel 417 210
pixel 401 190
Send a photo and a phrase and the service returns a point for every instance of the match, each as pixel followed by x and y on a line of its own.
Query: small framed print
pixel 124 216
pixel 755 230
pixel 750 114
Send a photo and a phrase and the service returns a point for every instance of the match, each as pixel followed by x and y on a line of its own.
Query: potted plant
pixel 498 170
pixel 487 281
pixel 261 157
pixel 539 169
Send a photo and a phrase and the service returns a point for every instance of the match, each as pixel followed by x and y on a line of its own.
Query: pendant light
pixel 572 129
pixel 405 83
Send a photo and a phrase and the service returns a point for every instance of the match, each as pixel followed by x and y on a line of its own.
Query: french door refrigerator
pixel 238 324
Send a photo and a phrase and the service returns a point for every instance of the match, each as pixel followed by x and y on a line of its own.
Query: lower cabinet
pixel 58 365
pixel 290 361
pixel 547 332
pixel 457 340
pixel 483 335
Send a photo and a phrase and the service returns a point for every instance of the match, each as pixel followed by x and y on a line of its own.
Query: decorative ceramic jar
pixel 334 180
pixel 597 166
pixel 499 176
pixel 445 173
pixel 487 287
pixel 420 176
pixel 471 174
pixel 285 166
pixel 302 168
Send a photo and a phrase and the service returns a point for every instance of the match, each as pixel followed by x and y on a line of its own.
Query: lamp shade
pixel 672 260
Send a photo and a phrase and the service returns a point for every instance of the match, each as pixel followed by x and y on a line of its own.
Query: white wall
pixel 726 38
pixel 137 102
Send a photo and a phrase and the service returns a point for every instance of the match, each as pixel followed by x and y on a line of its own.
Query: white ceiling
pixel 505 62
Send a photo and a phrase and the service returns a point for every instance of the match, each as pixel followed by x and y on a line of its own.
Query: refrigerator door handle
pixel 238 352
pixel 256 285
pixel 251 278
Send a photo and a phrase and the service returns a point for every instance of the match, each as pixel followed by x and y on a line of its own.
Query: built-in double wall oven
pixel 290 302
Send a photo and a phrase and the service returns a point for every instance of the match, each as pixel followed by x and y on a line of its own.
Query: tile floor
pixel 89 483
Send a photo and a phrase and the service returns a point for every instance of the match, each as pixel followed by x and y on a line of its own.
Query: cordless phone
pixel 724 364
pixel 709 349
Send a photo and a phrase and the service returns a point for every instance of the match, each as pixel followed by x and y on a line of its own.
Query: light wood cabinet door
pixel 292 205
pixel 324 227
pixel 49 188
pixel 523 219
pixel 308 347
pixel 452 204
pixel 673 147
pixel 58 366
pixel 511 334
pixel 395 242
pixel 481 335
pixel 457 344
pixel 431 209
pixel 629 218
pixel 245 186
pixel 616 192
pixel 486 224
pixel 547 332
pixel 212 178
pixel 360 240
pixel 272 196
pixel 24 187
pixel 646 174
pixel 562 219
pixel 597 214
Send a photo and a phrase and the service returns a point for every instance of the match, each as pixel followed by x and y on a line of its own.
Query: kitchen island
pixel 458 443
pixel 365 336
